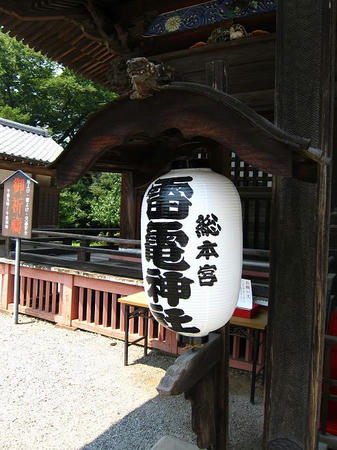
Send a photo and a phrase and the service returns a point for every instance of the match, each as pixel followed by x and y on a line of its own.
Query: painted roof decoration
pixel 24 142
pixel 206 14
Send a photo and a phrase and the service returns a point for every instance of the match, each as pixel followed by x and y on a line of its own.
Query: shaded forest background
pixel 37 91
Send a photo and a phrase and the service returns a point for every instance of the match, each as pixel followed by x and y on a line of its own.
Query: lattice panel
pixel 243 174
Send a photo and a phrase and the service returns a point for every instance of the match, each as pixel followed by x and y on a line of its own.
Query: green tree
pixel 94 201
pixel 40 92
pixel 105 202
pixel 74 206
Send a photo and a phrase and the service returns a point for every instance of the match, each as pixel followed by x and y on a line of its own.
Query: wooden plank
pixel 122 317
pixel 161 334
pixel 87 237
pixel 236 347
pixel 97 297
pixel 41 274
pixel 41 294
pixel 60 304
pixel 105 309
pixel 172 341
pixel 34 296
pixel 137 299
pixel 300 218
pixel 54 294
pixel 114 323
pixel 22 290
pixel 132 321
pixel 249 349
pixel 39 314
pixel 151 328
pixel 106 286
pixel 48 303
pixel 28 291
pixel 89 305
pixel 80 304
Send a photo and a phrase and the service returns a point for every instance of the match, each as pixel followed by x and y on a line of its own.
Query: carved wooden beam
pixel 204 112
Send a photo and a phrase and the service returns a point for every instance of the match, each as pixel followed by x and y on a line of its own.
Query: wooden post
pixel 300 220
pixel 7 290
pixel 217 77
pixel 69 300
pixel 128 207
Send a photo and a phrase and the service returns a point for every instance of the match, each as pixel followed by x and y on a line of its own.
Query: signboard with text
pixel 18 205
pixel 246 295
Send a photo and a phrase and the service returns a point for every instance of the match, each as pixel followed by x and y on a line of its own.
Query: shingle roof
pixel 23 142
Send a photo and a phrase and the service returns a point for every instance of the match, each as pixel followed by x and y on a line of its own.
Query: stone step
pixel 172 443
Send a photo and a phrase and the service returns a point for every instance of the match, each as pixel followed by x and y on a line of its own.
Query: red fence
pixel 90 302
pixel 80 301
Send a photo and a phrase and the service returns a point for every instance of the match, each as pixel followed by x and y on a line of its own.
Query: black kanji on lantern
pixel 206 275
pixel 207 225
pixel 168 198
pixel 207 250
pixel 174 319
pixel 164 242
pixel 170 285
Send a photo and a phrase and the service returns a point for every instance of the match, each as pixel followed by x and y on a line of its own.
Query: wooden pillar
pixel 128 207
pixel 217 78
pixel 299 247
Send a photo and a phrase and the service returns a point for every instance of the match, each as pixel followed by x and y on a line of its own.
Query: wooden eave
pixel 195 110
pixel 17 163
pixel 87 35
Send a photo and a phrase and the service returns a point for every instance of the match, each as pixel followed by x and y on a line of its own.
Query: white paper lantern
pixel 191 235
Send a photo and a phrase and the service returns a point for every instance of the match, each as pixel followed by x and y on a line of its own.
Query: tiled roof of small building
pixel 27 143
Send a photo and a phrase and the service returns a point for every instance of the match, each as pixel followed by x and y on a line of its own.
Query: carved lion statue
pixel 144 76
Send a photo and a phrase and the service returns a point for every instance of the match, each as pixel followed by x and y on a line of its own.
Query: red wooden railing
pixel 84 302
pixel 89 302
pixel 241 352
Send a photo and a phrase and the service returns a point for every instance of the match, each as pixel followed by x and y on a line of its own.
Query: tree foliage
pixel 40 92
pixel 94 201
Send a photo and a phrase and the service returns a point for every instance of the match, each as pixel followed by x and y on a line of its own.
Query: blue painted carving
pixel 206 14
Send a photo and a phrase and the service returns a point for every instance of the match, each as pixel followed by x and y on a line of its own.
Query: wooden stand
pixel 202 375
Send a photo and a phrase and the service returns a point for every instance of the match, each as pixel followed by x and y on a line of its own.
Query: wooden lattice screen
pixel 254 187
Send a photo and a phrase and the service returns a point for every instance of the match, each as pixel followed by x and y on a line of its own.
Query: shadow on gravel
pixel 143 427
pixel 155 359
pixel 26 322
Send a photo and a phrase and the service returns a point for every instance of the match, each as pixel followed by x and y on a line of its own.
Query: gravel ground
pixel 63 389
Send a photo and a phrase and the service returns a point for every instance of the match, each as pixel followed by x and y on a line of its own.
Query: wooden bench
pixel 137 301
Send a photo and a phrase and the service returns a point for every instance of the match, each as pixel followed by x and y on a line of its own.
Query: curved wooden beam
pixel 196 110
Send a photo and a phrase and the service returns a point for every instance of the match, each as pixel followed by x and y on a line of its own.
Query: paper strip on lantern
pixel 192 250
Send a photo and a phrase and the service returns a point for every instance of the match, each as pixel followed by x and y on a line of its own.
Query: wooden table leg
pixel 126 340
pixel 146 328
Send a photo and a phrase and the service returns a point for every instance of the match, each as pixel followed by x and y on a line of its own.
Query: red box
pixel 246 313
